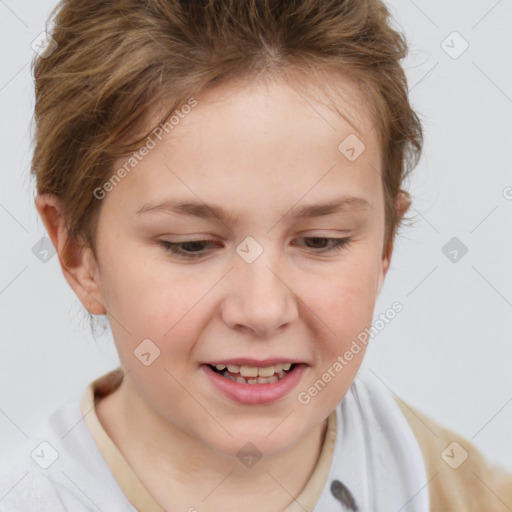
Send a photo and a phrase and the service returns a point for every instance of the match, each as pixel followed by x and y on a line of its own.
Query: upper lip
pixel 246 361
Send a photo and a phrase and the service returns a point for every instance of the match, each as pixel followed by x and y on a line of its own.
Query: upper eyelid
pixel 337 242
pixel 333 233
pixel 214 240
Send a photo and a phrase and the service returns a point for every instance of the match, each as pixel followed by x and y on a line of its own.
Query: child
pixel 222 179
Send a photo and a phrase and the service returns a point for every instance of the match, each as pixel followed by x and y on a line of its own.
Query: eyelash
pixel 175 247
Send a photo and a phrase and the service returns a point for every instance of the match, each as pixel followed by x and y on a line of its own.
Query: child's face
pixel 262 154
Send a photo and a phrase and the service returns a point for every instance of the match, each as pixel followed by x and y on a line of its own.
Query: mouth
pixel 254 374
pixel 252 382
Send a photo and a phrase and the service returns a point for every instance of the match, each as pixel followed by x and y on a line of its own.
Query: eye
pixel 180 248
pixel 336 243
pixel 196 248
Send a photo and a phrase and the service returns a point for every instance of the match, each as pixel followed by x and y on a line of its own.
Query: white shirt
pixel 370 462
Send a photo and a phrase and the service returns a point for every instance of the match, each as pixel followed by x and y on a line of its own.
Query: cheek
pixel 136 282
pixel 167 308
pixel 346 303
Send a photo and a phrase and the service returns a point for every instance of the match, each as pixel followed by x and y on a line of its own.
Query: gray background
pixel 449 352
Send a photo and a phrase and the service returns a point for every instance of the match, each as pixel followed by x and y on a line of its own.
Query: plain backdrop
pixel 449 352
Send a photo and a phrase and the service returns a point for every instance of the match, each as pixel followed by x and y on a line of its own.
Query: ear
pixel 402 204
pixel 77 262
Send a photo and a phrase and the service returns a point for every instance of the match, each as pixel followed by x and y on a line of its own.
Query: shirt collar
pixel 131 486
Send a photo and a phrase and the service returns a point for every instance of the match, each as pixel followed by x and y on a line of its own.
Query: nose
pixel 259 299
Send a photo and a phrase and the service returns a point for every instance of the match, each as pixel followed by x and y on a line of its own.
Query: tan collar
pixel 131 486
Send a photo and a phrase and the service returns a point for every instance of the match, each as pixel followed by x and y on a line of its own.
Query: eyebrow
pixel 209 211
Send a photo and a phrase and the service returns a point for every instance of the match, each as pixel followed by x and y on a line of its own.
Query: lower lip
pixel 252 394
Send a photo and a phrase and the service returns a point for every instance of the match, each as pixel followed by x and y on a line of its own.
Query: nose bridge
pixel 261 278
pixel 259 297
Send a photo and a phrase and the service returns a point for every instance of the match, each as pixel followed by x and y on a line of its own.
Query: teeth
pixel 256 373
pixel 268 371
pixel 267 380
pixel 259 380
pixel 251 371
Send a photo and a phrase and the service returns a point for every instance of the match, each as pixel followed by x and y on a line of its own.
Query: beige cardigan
pixel 462 484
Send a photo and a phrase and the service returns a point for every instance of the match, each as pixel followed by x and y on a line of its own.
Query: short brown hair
pixel 116 60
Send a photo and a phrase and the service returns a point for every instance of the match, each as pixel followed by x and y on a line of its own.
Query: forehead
pixel 262 136
pixel 327 99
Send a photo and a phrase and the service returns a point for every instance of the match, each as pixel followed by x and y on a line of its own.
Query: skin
pixel 260 151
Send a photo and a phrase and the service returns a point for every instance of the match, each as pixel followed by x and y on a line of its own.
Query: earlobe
pixel 386 261
pixel 77 261
pixel 402 204
pixel 383 269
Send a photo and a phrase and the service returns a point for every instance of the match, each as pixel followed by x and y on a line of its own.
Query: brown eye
pixel 335 243
pixel 192 249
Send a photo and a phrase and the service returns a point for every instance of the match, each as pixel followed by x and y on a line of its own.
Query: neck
pixel 179 471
